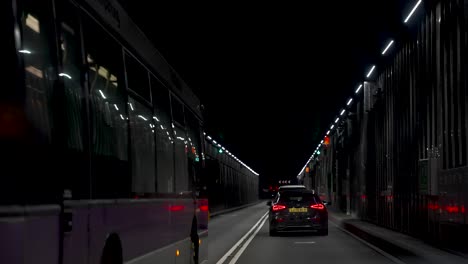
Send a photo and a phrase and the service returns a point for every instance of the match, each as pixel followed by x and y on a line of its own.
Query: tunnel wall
pixel 230 183
pixel 399 158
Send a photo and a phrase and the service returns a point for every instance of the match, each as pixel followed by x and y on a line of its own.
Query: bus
pixel 101 141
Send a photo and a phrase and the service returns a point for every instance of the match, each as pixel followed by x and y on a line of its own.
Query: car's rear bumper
pixel 311 224
pixel 285 227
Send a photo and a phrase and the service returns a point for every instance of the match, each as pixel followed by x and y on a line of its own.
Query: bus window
pixel 160 97
pixel 108 115
pixel 69 124
pixel 193 135
pixel 164 137
pixel 181 163
pixel 137 80
pixel 181 146
pixel 142 131
pixel 40 73
pixel 28 165
pixel 177 111
pixel 194 148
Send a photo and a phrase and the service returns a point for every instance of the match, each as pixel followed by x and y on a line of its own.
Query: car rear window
pixel 299 197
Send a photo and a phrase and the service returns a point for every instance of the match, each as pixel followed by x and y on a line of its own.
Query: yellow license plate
pixel 298 210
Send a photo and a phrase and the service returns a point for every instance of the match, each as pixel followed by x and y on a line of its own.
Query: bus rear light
pixel 176 208
pixel 452 209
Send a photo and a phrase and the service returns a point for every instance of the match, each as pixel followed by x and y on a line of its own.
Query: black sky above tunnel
pixel 272 76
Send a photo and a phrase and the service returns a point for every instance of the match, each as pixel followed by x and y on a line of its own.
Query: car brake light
pixel 278 207
pixel 317 206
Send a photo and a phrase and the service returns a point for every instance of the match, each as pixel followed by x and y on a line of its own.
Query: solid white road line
pixel 221 260
pixel 239 253
pixel 381 252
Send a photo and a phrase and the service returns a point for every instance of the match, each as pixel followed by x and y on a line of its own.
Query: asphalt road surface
pixel 242 237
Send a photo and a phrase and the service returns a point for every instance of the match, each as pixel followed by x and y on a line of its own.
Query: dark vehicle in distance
pixel 298 210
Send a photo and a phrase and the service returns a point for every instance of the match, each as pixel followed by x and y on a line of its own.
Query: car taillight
pixel 317 206
pixel 278 207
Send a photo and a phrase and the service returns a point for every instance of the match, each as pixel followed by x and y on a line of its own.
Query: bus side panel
pixel 142 226
pixel 37 229
pixel 203 219
pixel 75 242
pixel 23 239
pixel 11 239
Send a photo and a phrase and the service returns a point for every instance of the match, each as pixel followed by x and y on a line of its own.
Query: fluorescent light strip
pixel 388 46
pixel 358 89
pixel 412 11
pixel 370 72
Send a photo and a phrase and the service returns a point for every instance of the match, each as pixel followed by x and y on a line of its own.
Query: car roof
pixel 292 187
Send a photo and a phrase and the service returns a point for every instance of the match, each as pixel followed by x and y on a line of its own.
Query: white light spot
pixel 102 94
pixel 65 75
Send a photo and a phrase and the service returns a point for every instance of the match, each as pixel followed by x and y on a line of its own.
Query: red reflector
pixel 204 208
pixel 452 209
pixel 175 208
pixel 280 220
pixel 278 207
pixel 317 206
pixel 433 206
